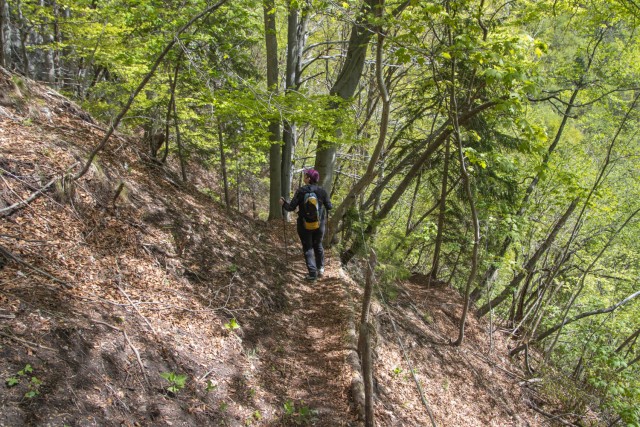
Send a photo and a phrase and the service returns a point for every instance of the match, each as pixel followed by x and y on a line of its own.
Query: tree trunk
pixel 347 82
pixel 364 341
pixel 632 338
pixel 466 180
pixel 369 174
pixel 435 265
pixel 223 166
pixel 275 153
pixel 172 87
pixel 345 87
pixel 5 35
pixel 181 154
pixel 296 38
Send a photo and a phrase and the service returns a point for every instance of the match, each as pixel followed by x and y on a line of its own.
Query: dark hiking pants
pixel 312 247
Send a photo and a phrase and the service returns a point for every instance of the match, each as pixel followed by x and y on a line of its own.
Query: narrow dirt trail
pixel 303 349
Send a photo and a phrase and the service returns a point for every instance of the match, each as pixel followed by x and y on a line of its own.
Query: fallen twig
pixel 8 255
pixel 25 342
pixel 134 306
pixel 551 416
pixel 135 350
pixel 19 205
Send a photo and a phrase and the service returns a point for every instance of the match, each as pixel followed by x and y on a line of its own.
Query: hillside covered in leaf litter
pixel 131 298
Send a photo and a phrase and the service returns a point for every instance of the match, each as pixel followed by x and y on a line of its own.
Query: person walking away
pixel 313 203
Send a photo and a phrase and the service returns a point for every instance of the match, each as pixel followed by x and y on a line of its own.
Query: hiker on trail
pixel 312 202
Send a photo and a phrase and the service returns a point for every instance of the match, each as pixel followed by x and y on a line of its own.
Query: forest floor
pixel 104 293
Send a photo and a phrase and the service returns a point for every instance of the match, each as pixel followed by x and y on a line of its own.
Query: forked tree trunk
pixel 347 82
pixel 345 87
pixel 369 174
pixel 296 38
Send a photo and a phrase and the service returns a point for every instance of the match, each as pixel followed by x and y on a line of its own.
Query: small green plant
pixel 233 268
pixel 251 353
pixel 176 381
pixel 210 193
pixel 210 386
pixel 34 388
pixel 232 325
pixel 299 414
pixel 289 408
pixel 427 318
pixel 396 371
pixel 256 416
pixel 33 384
pixel 223 407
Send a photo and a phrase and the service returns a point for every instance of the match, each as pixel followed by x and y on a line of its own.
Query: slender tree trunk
pixel 364 341
pixel 172 87
pixel 466 180
pixel 520 302
pixel 24 31
pixel 275 152
pixel 5 35
pixel 632 338
pixel 435 265
pixel 223 166
pixel 181 153
pixel 412 206
pixel 424 216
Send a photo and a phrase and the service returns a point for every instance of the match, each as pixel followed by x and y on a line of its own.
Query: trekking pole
pixel 284 233
pixel 328 243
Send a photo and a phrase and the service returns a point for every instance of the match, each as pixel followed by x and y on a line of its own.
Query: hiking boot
pixel 321 272
pixel 310 277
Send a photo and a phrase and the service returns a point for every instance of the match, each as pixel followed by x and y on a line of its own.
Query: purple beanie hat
pixel 313 175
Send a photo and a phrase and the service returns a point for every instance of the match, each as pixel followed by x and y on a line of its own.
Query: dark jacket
pixel 298 199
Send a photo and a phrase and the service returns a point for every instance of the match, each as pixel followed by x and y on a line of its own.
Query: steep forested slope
pixel 131 298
